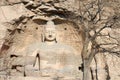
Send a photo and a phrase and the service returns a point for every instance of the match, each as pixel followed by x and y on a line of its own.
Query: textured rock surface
pixel 22 23
pixel 8 13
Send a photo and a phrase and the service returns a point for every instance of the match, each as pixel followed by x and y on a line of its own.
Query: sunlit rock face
pixel 49 58
pixel 27 56
pixel 59 60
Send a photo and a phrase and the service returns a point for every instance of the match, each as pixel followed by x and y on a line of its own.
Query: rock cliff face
pixel 22 23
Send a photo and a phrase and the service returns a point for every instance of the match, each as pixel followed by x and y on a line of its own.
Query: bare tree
pixel 93 23
pixel 90 18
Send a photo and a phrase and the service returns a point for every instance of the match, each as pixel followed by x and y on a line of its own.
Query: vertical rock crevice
pixel 107 71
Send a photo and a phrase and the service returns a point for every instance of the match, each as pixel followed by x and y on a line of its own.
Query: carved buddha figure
pixel 51 57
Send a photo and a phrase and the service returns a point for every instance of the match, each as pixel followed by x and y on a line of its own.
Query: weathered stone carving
pixel 54 59
pixel 18 63
pixel 48 58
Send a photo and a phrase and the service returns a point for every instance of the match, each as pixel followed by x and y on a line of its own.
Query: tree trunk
pixel 86 71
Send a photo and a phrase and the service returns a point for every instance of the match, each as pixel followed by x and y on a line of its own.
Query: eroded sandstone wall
pixel 20 27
